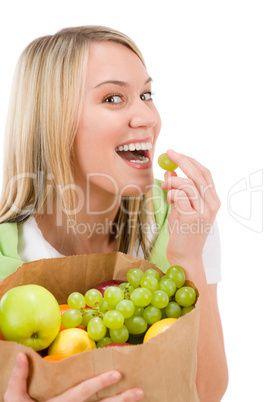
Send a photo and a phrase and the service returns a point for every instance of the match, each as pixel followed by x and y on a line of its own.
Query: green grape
pixel 120 335
pixel 126 286
pixel 159 299
pixel 141 297
pixel 87 315
pixel 162 278
pixel 126 307
pixel 152 314
pixel 106 306
pixel 163 312
pixel 138 311
pixel 71 318
pixel 113 295
pixel 177 274
pixel 152 272
pixel 127 289
pixel 165 163
pixel 136 325
pixel 123 285
pixel 93 298
pixel 168 286
pixel 186 310
pixel 134 276
pixel 185 296
pixel 104 341
pixel 113 319
pixel 173 310
pixel 149 282
pixel 76 300
pixel 96 329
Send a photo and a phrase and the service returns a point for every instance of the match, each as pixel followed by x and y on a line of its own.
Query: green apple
pixel 30 314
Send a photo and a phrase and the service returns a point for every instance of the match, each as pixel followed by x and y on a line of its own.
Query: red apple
pixel 104 285
pixel 1 337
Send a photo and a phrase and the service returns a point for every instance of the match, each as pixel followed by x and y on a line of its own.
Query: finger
pixel 169 174
pixel 180 201
pixel 90 387
pixel 208 177
pixel 197 173
pixel 187 167
pixel 205 171
pixel 131 395
pixel 17 386
pixel 186 185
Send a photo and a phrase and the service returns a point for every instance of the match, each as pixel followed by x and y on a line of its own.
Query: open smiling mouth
pixel 137 152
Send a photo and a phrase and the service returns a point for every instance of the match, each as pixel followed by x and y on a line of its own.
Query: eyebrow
pixel 120 83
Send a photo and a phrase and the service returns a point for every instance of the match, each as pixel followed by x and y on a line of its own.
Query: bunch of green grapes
pixel 125 312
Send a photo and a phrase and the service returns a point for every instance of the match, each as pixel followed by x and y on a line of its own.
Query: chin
pixel 138 187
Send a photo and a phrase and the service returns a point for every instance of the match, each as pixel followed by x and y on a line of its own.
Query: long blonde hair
pixel 45 105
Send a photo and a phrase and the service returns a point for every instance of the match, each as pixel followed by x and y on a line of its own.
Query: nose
pixel 142 115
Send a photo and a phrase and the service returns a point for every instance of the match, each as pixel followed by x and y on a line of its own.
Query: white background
pixel 209 63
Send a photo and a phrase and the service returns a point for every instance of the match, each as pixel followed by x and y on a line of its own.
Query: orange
pixel 71 341
pixel 53 358
pixel 63 308
pixel 158 327
pixel 1 337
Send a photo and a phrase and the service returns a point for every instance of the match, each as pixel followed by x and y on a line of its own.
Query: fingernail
pixel 139 393
pixel 115 376
pixel 171 151
pixel 18 360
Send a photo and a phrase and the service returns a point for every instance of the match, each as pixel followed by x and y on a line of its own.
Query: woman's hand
pixel 194 207
pixel 17 386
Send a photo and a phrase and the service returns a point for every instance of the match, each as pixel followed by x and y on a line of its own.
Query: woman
pixel 78 179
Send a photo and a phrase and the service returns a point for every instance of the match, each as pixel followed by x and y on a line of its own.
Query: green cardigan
pixel 10 260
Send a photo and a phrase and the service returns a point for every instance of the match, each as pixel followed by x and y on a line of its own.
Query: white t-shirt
pixel 32 246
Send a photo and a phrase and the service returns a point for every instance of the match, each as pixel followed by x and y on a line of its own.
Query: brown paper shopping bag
pixel 164 367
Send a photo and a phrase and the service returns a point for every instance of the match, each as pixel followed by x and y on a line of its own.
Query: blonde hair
pixel 45 105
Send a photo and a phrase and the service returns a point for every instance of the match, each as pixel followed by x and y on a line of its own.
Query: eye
pixel 113 99
pixel 146 96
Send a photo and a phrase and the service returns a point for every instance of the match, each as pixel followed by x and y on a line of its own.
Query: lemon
pixel 158 327
pixel 71 341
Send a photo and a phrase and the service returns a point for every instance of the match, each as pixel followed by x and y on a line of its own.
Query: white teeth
pixel 135 146
pixel 143 146
pixel 141 162
pixel 131 147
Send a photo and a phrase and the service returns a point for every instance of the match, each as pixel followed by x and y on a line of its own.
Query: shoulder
pixel 10 227
pixel 8 235
pixel 9 258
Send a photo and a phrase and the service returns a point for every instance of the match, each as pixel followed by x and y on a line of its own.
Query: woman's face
pixel 119 123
